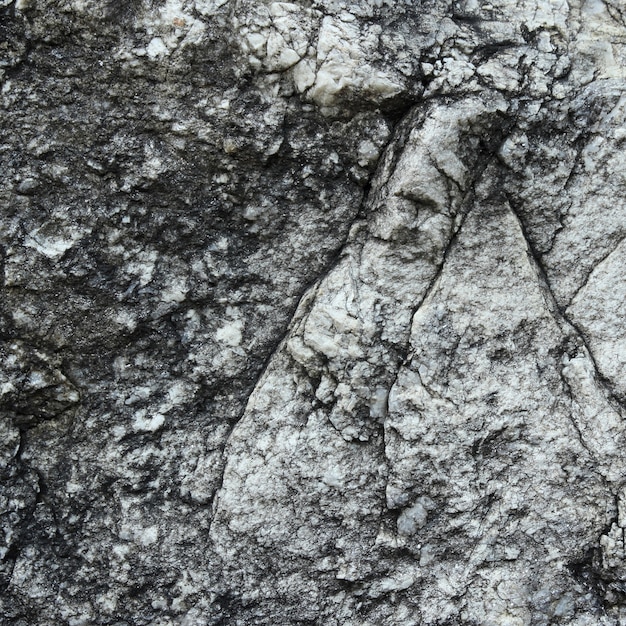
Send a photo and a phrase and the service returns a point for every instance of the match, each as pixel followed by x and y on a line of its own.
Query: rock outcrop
pixel 312 313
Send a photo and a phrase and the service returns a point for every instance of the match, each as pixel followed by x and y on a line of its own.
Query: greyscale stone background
pixel 312 313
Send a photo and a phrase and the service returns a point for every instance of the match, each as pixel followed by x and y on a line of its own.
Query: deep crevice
pixel 563 320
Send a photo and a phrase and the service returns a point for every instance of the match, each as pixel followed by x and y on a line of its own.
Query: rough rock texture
pixel 312 312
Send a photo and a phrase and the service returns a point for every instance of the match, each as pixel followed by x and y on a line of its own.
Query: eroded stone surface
pixel 312 312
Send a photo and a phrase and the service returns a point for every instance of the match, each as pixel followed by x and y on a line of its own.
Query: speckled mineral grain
pixel 312 312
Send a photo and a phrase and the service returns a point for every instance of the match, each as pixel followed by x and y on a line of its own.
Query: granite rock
pixel 312 312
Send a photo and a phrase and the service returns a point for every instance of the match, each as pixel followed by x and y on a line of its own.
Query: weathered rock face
pixel 312 313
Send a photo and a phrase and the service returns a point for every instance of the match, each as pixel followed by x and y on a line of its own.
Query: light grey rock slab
pixel 495 408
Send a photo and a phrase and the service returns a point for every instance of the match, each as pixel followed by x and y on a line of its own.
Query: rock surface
pixel 312 313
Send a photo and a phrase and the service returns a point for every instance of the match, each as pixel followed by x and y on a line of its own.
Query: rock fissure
pixel 593 269
pixel 561 314
pixel 308 294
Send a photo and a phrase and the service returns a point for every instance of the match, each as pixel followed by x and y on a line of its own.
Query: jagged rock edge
pixel 308 292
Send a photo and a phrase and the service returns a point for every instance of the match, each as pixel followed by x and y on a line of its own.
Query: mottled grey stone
pixel 312 312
